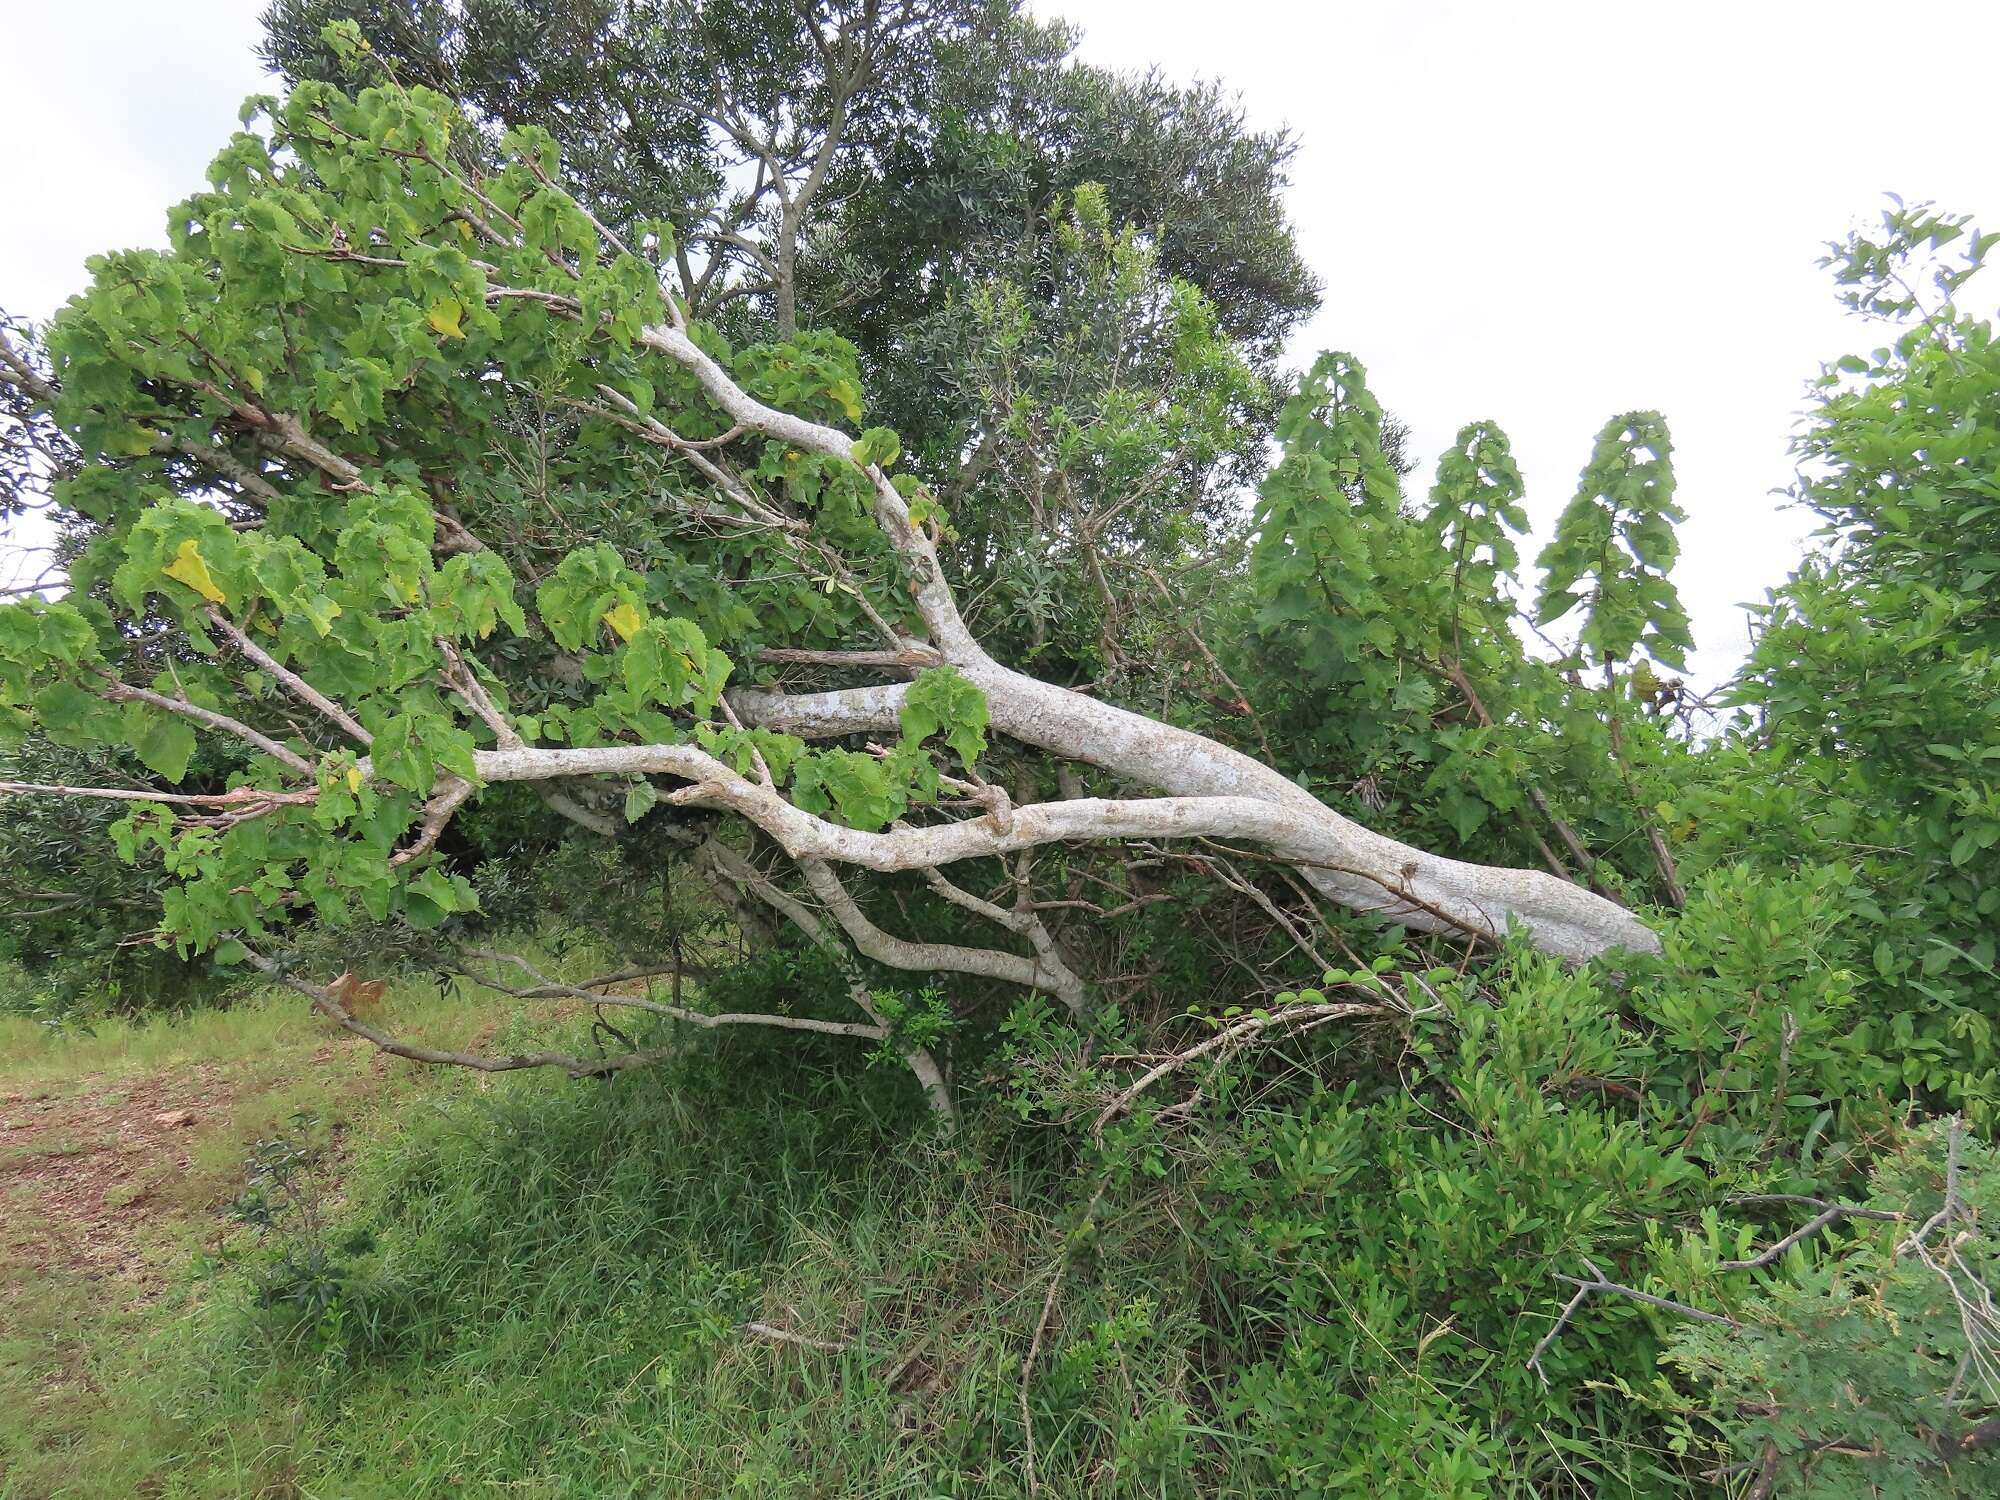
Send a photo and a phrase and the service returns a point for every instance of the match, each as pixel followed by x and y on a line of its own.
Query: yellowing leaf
pixel 445 315
pixel 354 778
pixel 188 568
pixel 848 394
pixel 625 620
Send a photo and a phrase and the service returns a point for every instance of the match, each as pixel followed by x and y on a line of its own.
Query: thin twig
pixel 296 685
pixel 1830 1214
pixel 1291 1018
pixel 1599 1282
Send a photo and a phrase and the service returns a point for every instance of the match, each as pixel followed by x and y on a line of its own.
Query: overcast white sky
pixel 1542 213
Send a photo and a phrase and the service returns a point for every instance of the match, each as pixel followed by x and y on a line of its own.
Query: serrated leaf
pixel 942 699
pixel 640 799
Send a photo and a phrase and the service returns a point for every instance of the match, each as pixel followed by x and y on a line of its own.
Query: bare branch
pixel 294 684
pixel 328 1004
pixel 1292 1018
pixel 900 953
pixel 1830 1214
pixel 730 865
pixel 241 797
pixel 450 795
pixel 547 988
pixel 119 692
pixel 1600 1283
pixel 915 656
pixel 462 679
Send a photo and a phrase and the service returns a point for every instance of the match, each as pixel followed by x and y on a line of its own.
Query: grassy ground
pixel 537 1287
pixel 120 1148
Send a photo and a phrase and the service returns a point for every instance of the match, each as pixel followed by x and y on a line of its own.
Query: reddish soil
pixel 81 1177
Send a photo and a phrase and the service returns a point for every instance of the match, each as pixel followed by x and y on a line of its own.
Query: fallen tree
pixel 408 481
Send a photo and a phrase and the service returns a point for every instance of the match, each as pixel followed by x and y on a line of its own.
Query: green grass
pixel 545 1284
pixel 74 1334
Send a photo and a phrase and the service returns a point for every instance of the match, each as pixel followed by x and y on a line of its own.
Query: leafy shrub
pixel 1872 1368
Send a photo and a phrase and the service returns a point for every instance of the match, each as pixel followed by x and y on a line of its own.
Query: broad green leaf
pixel 640 799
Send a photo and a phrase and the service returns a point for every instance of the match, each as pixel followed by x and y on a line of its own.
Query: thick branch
pixel 933 596
pixel 950 958
pixel 1363 869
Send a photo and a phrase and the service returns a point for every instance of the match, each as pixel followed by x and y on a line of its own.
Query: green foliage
pixel 1387 646
pixel 1873 691
pixel 1476 511
pixel 1308 1265
pixel 298 1267
pixel 1106 413
pixel 71 912
pixel 1401 1234
pixel 1343 576
pixel 1866 1371
pixel 1614 546
pixel 942 700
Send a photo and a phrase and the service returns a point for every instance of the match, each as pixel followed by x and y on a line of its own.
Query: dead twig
pixel 772 1334
pixel 1599 1282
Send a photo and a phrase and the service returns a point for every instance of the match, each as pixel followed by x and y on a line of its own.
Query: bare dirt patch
pixel 82 1177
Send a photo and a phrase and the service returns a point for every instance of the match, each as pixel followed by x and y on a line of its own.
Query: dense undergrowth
pixel 1336 1276
pixel 541 1289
